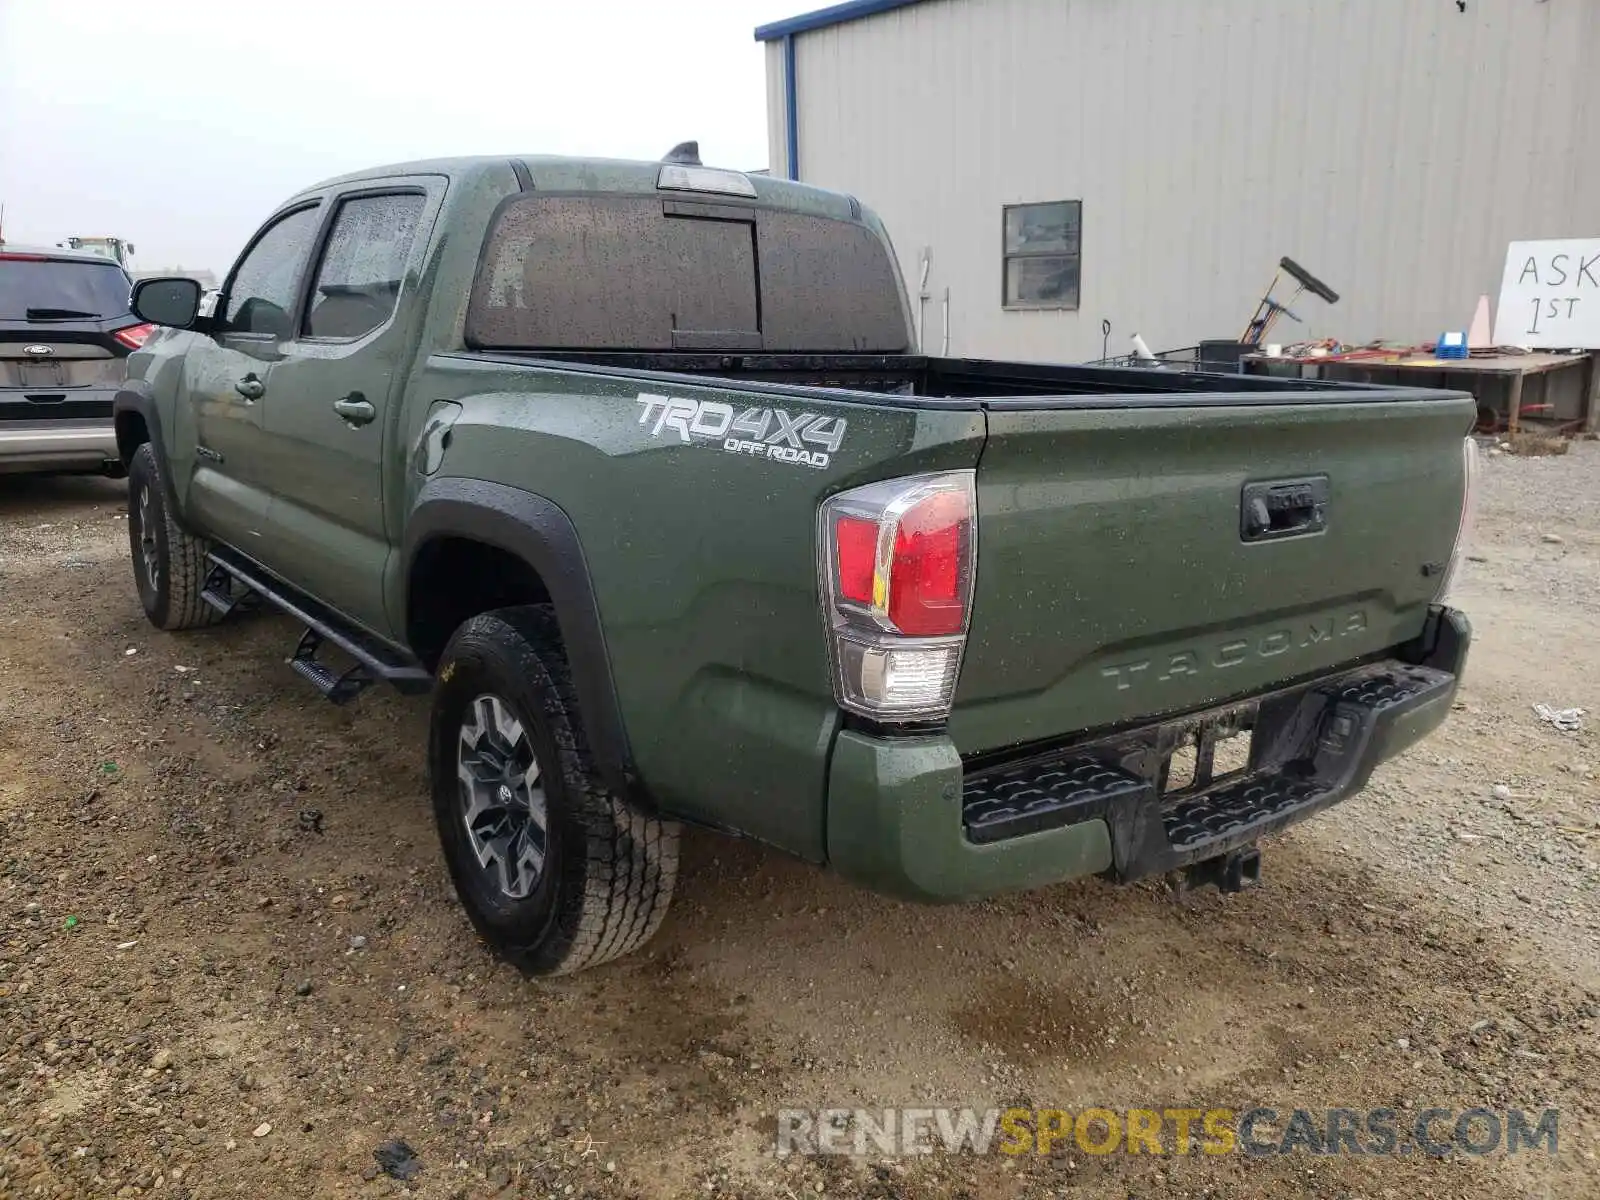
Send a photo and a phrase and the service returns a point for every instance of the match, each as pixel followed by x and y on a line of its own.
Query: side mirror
pixel 172 302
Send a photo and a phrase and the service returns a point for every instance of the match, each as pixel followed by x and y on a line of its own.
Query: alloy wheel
pixel 147 541
pixel 502 796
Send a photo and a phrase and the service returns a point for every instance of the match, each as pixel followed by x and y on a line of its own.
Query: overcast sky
pixel 180 125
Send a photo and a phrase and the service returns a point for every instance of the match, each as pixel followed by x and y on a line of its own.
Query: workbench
pixel 1562 385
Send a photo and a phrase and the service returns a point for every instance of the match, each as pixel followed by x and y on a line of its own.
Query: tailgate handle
pixel 1282 508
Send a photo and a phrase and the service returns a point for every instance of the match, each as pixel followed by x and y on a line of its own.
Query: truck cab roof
pixel 559 173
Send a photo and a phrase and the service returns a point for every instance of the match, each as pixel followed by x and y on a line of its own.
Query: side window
pixel 262 295
pixel 358 280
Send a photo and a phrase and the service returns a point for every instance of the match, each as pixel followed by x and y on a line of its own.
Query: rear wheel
pixel 556 872
pixel 169 565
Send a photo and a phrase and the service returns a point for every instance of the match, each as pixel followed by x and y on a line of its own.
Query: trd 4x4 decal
pixel 806 439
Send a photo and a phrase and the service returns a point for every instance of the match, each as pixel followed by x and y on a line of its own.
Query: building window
pixel 1042 250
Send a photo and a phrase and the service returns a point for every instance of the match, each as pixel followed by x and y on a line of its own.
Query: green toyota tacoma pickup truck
pixel 636 468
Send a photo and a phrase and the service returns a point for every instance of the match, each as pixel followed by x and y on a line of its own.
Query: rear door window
pixel 623 272
pixel 33 289
pixel 358 280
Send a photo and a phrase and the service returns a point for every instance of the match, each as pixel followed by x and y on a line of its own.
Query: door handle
pixel 355 409
pixel 251 388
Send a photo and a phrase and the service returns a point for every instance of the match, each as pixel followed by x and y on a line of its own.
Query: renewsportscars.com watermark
pixel 1258 1132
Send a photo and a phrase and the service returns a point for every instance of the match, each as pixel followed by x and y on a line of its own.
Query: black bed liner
pixel 914 380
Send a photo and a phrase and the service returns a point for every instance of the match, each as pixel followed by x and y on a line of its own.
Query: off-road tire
pixel 172 599
pixel 608 870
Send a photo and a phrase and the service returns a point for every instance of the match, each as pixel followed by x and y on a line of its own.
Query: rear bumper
pixel 906 817
pixel 57 445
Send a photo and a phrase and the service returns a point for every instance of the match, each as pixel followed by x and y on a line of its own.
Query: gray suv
pixel 65 336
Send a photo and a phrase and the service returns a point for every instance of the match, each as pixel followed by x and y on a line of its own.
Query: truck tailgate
pixel 1121 574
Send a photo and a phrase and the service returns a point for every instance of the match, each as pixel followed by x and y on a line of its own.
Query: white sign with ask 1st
pixel 1550 295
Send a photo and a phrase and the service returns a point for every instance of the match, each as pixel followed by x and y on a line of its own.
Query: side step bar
pixel 219 593
pixel 235 584
pixel 338 688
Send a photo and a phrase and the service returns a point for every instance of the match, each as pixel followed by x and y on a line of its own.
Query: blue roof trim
pixel 791 109
pixel 854 10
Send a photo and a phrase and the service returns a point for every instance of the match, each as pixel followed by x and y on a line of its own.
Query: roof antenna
pixel 686 153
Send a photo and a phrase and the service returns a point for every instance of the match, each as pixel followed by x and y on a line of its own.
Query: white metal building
pixel 1177 148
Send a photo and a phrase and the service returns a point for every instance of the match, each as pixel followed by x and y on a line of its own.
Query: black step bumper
pixel 1311 746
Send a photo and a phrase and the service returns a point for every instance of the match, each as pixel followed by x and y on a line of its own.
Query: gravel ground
pixel 231 963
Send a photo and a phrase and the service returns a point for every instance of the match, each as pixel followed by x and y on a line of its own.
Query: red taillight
pixel 5 257
pixel 856 542
pixel 925 582
pixel 134 336
pixel 898 560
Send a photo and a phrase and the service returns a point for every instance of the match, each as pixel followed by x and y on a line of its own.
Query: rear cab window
pixel 37 288
pixel 621 272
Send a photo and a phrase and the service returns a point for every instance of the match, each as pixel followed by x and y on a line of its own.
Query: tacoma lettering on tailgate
pixel 1222 655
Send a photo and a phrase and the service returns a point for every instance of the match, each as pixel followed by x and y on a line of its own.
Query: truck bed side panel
pixel 703 562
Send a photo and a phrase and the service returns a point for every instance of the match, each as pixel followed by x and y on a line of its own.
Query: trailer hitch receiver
pixel 1230 872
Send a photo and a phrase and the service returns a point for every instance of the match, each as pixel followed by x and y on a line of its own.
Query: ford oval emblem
pixel 38 351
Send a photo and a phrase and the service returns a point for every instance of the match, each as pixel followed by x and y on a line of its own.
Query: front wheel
pixel 169 565
pixel 556 872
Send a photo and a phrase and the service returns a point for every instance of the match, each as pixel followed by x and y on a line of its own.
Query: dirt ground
pixel 231 963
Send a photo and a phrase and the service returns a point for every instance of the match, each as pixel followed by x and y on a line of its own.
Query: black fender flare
pixel 135 397
pixel 536 530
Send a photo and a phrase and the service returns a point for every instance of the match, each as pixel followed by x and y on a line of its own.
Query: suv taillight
pixel 134 336
pixel 897 561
